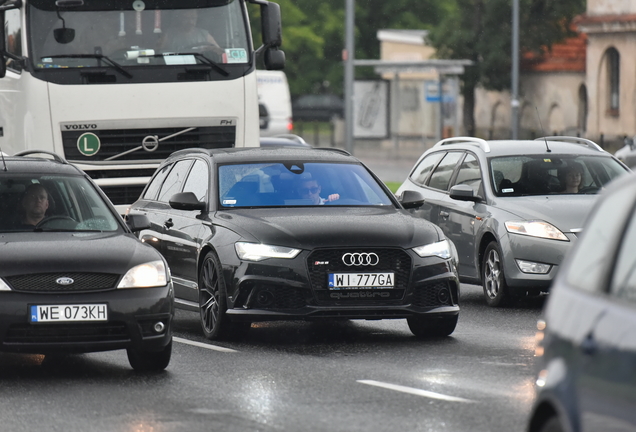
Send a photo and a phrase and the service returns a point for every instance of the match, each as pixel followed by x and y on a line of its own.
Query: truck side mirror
pixel 3 65
pixel 272 32
pixel 274 59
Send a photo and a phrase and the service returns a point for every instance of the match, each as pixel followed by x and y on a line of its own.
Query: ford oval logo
pixel 64 281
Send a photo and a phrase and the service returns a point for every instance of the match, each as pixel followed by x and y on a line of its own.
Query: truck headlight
pixel 148 275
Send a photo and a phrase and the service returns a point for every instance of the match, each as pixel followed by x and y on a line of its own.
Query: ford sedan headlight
pixel 259 252
pixel 440 249
pixel 535 229
pixel 148 275
pixel 4 286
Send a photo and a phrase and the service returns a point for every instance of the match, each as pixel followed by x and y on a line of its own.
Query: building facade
pixel 585 86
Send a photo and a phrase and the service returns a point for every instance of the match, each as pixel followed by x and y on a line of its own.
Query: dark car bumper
pixel 297 289
pixel 132 314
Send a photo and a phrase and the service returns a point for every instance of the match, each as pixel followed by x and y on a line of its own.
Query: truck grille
pixel 117 141
pixel 122 195
pixel 46 282
pixel 322 262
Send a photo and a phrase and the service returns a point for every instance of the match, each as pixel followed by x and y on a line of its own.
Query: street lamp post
pixel 348 82
pixel 515 70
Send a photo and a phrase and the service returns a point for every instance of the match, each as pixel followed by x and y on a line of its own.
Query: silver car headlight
pixel 259 252
pixel 536 229
pixel 4 286
pixel 440 249
pixel 148 275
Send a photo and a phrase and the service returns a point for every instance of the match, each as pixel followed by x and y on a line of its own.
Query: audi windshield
pixel 299 184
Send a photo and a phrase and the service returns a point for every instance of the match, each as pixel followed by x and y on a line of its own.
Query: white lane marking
pixel 203 345
pixel 414 391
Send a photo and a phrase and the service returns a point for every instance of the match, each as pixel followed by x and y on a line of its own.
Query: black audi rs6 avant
pixel 261 234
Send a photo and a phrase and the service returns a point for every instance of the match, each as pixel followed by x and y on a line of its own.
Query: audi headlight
pixel 535 229
pixel 148 275
pixel 440 249
pixel 259 252
pixel 4 286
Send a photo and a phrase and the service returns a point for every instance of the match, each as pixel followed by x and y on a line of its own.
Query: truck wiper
pixel 106 59
pixel 204 59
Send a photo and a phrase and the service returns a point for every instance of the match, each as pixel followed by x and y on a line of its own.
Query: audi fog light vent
pixel 265 298
pixel 443 295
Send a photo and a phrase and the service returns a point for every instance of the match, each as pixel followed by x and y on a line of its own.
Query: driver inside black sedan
pixel 52 203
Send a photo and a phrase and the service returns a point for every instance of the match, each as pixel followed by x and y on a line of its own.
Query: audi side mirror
pixel 186 201
pixel 411 199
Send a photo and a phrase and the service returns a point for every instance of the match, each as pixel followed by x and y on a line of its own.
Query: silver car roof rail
pixel 55 156
pixel 465 140
pixel 573 140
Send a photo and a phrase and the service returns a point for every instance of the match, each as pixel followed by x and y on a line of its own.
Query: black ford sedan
pixel 266 234
pixel 73 276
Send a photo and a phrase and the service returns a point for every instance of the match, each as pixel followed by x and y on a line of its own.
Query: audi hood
pixel 332 226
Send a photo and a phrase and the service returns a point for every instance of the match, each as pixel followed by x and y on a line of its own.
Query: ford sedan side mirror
pixel 186 201
pixel 411 199
pixel 137 222
pixel 464 193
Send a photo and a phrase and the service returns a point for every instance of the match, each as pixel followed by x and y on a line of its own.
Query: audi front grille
pixel 324 261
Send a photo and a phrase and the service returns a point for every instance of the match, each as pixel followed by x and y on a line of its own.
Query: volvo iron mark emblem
pixel 150 143
pixel 360 259
pixel 64 281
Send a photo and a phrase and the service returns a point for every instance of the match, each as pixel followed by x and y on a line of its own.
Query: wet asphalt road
pixel 293 376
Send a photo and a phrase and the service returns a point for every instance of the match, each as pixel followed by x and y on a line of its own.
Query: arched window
pixel 613 74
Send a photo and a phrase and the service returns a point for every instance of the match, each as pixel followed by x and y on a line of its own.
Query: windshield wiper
pixel 204 59
pixel 106 59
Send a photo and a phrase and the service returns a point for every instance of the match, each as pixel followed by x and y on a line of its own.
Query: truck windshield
pixel 92 33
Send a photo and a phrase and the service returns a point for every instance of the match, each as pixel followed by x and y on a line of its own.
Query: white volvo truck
pixel 115 86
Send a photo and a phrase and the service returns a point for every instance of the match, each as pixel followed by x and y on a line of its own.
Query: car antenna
pixel 3 161
pixel 542 131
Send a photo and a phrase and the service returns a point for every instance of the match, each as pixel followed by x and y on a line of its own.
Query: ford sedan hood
pixel 42 252
pixel 566 212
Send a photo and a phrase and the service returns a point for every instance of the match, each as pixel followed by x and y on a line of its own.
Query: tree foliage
pixel 314 36
pixel 481 30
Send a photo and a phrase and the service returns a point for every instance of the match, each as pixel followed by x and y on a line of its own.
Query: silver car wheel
pixel 492 274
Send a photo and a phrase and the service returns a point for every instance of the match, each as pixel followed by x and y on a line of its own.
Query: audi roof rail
pixel 56 157
pixel 333 149
pixel 573 140
pixel 483 144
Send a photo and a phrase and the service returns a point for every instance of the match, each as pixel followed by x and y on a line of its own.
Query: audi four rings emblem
pixel 360 259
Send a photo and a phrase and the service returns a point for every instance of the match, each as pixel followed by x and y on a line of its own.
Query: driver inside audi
pixel 33 206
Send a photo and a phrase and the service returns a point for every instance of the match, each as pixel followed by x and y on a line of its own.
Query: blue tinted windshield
pixel 298 184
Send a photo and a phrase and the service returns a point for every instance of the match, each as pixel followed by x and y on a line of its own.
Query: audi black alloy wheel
pixel 212 301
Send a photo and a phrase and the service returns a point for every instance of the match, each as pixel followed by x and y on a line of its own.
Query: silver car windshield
pixel 137 34
pixel 53 203
pixel 552 174
pixel 298 184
